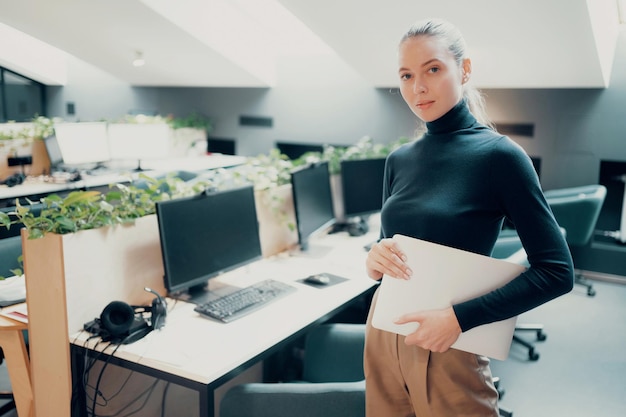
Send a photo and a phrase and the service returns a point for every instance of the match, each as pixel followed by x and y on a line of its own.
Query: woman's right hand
pixel 385 258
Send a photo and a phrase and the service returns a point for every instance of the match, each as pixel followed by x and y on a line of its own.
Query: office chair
pixel 577 209
pixel 509 246
pixel 333 383
pixel 10 251
pixel 6 395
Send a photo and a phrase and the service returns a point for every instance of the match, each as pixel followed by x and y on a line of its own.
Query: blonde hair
pixel 453 38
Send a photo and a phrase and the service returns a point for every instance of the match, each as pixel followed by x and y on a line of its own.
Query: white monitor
pixel 139 141
pixel 83 143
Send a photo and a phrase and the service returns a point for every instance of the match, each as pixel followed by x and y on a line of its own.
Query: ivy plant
pixel 83 210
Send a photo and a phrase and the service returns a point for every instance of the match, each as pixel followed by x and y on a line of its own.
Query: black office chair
pixel 509 246
pixel 577 209
pixel 6 395
pixel 333 382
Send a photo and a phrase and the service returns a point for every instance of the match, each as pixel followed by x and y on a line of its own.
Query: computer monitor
pixel 139 142
pixel 362 186
pixel 204 236
pixel 362 191
pixel 294 150
pixel 83 143
pixel 54 153
pixel 225 146
pixel 313 201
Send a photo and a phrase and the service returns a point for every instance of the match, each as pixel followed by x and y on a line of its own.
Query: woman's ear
pixel 467 69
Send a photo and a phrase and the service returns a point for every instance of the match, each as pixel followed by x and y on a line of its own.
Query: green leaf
pixel 81 197
pixel 5 220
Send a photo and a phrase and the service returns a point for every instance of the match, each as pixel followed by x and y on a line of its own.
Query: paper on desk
pixel 443 276
pixel 12 290
pixel 17 312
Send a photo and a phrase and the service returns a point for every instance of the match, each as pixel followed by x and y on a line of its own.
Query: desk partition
pixel 190 351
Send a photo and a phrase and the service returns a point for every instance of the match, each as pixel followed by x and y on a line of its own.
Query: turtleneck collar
pixel 459 117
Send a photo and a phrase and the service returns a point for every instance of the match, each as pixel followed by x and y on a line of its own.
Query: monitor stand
pixel 138 168
pixel 307 250
pixel 357 226
pixel 200 294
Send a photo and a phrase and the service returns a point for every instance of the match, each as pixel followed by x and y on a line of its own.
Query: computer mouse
pixel 318 279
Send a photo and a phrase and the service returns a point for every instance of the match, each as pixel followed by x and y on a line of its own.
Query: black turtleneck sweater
pixel 454 187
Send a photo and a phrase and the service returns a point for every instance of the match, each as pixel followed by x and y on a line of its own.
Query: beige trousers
pixel 408 381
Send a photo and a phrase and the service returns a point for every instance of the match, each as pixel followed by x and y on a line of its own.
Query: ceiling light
pixel 621 7
pixel 139 61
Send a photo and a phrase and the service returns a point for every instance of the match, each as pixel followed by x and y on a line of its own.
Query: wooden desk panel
pixel 16 356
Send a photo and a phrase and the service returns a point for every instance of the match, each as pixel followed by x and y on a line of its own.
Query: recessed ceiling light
pixel 139 61
pixel 621 7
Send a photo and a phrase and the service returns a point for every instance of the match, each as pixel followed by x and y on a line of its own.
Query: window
pixel 21 98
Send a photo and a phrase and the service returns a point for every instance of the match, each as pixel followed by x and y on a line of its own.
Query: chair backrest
pixel 334 353
pixel 507 244
pixel 10 251
pixel 577 209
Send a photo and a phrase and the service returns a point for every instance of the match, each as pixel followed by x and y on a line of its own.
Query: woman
pixel 454 186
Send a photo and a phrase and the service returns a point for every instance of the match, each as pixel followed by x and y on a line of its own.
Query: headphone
pixel 122 323
pixel 13 180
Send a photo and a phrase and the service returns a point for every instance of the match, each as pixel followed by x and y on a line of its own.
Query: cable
pixel 99 379
pixel 149 391
pixel 165 389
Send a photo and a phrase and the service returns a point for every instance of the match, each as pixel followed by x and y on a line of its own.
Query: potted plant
pixel 271 175
pixel 190 133
pixel 79 253
pixel 84 210
pixel 364 148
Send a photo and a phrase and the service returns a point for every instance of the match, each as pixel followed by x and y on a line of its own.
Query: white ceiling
pixel 235 43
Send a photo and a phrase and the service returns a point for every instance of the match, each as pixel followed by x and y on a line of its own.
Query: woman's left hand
pixel 437 331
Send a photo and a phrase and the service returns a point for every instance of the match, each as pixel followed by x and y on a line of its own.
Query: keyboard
pixel 244 301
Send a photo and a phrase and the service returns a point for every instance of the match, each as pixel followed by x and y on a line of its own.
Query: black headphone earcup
pixel 117 318
pixel 159 312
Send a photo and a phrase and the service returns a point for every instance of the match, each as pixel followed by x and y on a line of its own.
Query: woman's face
pixel 431 82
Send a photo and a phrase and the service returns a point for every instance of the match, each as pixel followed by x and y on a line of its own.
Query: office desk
pixel 32 188
pixel 36 189
pixel 16 356
pixel 202 354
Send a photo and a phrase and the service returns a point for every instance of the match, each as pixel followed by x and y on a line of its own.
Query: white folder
pixel 443 276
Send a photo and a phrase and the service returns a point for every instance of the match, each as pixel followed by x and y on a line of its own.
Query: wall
pixel 322 100
pixel 317 100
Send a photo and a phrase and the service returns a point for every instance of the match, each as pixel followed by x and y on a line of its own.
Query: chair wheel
pixel 591 292
pixel 532 355
pixel 541 336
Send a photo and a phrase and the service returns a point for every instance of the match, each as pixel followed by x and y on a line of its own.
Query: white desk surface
pixel 198 163
pixel 203 350
pixel 153 167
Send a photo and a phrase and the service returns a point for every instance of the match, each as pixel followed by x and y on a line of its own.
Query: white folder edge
pixel 443 276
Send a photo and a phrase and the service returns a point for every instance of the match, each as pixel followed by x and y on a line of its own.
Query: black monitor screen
pixel 312 199
pixel 362 186
pixel 53 150
pixel 224 146
pixel 205 235
pixel 294 150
